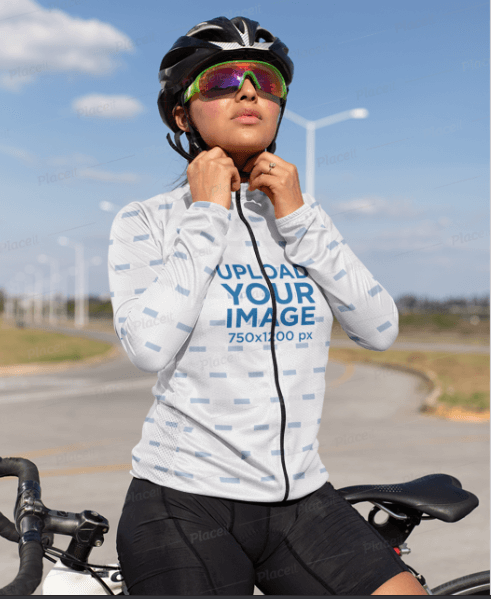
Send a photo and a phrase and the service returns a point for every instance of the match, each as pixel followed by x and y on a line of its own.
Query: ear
pixel 181 120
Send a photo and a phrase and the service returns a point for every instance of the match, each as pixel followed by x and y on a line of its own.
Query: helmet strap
pixel 272 146
pixel 196 143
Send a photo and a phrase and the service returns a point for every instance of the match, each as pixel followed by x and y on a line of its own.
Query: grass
pixel 436 328
pixel 28 346
pixel 464 378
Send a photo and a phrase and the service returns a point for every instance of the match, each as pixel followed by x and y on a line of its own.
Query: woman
pixel 232 306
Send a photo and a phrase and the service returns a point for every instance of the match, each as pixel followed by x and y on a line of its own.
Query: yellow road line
pixel 347 374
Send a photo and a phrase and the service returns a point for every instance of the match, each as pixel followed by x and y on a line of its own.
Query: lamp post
pixel 53 278
pixel 94 261
pixel 36 291
pixel 311 126
pixel 70 272
pixel 80 318
pixel 20 303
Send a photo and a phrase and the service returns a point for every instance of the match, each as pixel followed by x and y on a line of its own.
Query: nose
pixel 247 90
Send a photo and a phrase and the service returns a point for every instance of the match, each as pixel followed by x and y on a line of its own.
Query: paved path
pixel 371 432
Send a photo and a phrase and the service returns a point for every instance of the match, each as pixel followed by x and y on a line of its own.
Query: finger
pixel 235 180
pixel 249 165
pixel 258 181
pixel 259 169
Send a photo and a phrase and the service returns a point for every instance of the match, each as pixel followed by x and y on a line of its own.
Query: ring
pixel 271 166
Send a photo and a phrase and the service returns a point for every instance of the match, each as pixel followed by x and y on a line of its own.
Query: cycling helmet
pixel 206 44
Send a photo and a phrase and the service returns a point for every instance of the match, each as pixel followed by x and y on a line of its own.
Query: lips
pixel 247 113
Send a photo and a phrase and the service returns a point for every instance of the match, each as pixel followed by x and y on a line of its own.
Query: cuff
pixel 299 213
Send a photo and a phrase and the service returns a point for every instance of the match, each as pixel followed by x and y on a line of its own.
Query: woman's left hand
pixel 280 184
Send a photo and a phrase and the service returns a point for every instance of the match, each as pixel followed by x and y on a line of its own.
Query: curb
pixel 431 406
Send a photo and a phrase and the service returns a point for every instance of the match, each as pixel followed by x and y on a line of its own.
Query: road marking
pixel 347 374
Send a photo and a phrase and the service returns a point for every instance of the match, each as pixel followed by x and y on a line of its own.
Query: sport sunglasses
pixel 230 75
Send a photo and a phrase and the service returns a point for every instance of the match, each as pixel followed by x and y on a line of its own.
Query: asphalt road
pixel 371 432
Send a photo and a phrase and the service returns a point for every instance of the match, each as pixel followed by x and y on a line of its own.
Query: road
pixel 371 432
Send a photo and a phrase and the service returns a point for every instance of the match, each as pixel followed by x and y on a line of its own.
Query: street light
pixel 21 300
pixel 36 291
pixel 94 261
pixel 80 319
pixel 53 278
pixel 311 126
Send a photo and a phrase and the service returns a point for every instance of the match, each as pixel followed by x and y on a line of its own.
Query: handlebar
pixel 28 526
pixel 34 524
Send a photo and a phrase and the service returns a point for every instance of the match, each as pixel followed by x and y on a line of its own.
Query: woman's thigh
pixel 174 543
pixel 330 550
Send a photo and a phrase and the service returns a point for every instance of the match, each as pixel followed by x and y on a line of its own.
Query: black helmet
pixel 206 44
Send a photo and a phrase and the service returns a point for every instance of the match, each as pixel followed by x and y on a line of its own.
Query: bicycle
pixel 435 496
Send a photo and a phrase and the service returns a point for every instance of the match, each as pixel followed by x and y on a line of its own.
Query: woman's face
pixel 217 122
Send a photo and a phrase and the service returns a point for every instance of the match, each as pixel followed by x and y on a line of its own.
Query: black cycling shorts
pixel 177 543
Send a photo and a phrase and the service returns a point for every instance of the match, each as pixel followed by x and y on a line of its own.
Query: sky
pixel 407 186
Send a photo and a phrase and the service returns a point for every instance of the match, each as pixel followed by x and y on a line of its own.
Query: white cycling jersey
pixel 190 303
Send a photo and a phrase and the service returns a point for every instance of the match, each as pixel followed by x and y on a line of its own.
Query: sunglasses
pixel 229 76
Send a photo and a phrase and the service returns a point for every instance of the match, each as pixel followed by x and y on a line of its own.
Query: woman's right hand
pixel 212 177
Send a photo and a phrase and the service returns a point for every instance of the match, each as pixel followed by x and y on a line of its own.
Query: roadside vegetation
pixel 29 346
pixel 463 378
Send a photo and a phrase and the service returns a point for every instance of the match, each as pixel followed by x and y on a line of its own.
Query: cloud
pixel 368 207
pixel 108 177
pixel 428 237
pixel 23 155
pixel 79 163
pixel 74 159
pixel 35 40
pixel 107 107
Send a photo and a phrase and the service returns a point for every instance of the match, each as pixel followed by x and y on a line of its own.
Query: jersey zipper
pixel 273 354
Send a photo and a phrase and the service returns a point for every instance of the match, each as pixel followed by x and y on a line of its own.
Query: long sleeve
pixel 157 304
pixel 365 310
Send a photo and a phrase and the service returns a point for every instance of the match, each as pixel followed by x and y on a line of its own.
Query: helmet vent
pixel 264 34
pixel 209 33
pixel 239 24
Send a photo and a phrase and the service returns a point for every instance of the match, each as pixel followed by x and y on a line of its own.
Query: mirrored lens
pixel 228 77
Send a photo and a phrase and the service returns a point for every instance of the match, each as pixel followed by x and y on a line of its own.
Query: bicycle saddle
pixel 438 495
